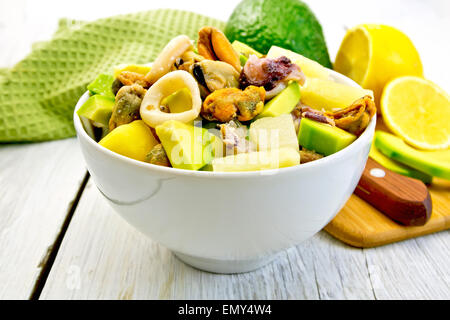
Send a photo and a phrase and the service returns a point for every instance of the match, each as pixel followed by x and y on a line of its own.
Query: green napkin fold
pixel 38 95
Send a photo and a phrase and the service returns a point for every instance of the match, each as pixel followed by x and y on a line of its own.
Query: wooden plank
pixel 102 257
pixel 38 182
pixel 413 269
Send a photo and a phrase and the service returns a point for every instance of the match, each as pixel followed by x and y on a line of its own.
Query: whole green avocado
pixel 289 24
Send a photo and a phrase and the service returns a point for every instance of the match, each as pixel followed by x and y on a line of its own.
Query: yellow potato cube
pixel 310 68
pixel 258 160
pixel 274 133
pixel 326 94
pixel 133 140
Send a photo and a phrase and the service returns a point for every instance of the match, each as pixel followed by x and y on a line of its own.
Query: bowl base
pixel 225 266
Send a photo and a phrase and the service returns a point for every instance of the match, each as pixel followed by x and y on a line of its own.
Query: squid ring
pixel 165 60
pixel 173 81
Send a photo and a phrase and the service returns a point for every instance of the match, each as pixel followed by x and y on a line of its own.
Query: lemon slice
pixel 418 111
pixel 373 54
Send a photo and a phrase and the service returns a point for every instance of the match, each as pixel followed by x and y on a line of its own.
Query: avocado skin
pixel 289 24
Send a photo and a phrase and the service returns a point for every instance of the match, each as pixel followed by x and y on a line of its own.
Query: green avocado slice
pixel 98 109
pixel 322 138
pixel 282 103
pixel 394 148
pixel 398 167
pixel 187 147
pixel 243 60
pixel 102 85
pixel 178 101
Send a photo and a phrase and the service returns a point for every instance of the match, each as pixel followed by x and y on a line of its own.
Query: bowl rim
pixel 358 143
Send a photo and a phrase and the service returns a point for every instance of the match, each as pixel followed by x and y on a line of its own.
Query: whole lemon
pixel 374 54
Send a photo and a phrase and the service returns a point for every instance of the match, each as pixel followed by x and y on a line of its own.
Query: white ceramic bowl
pixel 227 222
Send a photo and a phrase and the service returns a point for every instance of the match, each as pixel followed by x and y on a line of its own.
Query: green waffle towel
pixel 38 95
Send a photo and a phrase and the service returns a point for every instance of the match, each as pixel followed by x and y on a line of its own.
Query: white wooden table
pixel 60 240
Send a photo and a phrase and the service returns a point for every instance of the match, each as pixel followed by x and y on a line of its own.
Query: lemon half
pixel 418 111
pixel 373 54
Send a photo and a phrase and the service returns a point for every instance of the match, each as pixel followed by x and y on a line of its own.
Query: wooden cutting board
pixel 361 225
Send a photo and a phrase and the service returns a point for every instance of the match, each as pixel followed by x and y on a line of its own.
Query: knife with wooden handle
pixel 403 199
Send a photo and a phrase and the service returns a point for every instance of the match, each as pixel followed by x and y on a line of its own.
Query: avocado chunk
pixel 208 167
pixel 133 140
pixel 98 109
pixel 102 85
pixel 397 167
pixel 257 160
pixel 289 24
pixel 179 101
pixel 282 103
pixel 188 147
pixel 274 133
pixel 323 138
pixel 243 60
pixel 244 49
pixel 394 148
pixel 310 68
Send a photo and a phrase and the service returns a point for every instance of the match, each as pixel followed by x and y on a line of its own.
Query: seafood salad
pixel 220 106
